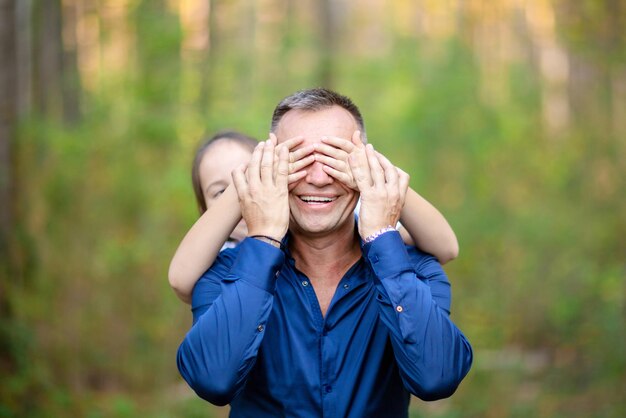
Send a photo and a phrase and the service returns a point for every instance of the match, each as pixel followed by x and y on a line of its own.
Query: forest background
pixel 509 115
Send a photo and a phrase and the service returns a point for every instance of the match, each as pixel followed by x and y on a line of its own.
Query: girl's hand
pixel 334 152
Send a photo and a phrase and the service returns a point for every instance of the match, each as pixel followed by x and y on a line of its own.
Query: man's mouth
pixel 317 199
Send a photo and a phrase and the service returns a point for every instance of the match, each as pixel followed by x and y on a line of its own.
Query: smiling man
pixel 318 313
pixel 318 203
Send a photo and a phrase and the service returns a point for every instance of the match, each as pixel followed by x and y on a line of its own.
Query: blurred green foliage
pixel 539 285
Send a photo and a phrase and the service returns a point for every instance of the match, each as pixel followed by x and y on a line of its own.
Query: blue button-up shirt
pixel 259 340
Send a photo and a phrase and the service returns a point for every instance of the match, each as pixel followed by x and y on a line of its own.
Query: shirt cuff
pixel 387 255
pixel 257 263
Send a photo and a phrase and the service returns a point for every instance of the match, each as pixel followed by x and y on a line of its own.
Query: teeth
pixel 316 199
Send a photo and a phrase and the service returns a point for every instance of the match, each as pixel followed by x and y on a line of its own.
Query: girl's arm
pixel 426 228
pixel 199 248
pixel 423 225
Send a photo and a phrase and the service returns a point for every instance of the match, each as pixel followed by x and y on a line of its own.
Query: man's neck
pixel 326 258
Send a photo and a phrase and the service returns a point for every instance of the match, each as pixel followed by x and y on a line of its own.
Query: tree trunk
pixel 48 53
pixel 328 36
pixel 24 53
pixel 8 108
pixel 70 88
pixel 209 61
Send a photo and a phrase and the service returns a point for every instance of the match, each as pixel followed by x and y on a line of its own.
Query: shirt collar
pixel 355 275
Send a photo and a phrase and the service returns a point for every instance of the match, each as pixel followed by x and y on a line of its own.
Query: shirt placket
pixel 327 376
pixel 328 352
pixel 319 323
pixel 325 348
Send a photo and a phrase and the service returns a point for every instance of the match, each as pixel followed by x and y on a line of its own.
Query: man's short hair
pixel 317 99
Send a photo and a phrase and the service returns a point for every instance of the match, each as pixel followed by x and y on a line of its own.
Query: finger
pixel 360 170
pixel 391 173
pixel 253 172
pixel 340 165
pixel 297 154
pixel 331 151
pixel 293 177
pixel 277 148
pixel 300 164
pixel 378 175
pixel 403 184
pixel 240 182
pixel 300 153
pixel 267 163
pixel 291 142
pixel 283 168
pixel 391 179
pixel 338 142
pixel 274 141
pixel 339 175
pixel 356 139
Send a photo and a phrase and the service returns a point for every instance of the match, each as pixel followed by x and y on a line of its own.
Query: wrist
pixel 269 240
pixel 272 232
pixel 375 233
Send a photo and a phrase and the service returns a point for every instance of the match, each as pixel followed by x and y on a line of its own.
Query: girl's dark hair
pixel 244 140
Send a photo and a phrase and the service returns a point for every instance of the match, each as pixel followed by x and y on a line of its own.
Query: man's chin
pixel 315 229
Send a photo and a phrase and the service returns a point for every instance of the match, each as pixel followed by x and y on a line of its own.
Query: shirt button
pixel 305 283
pixel 260 328
pixel 346 286
pixel 328 388
pixel 399 308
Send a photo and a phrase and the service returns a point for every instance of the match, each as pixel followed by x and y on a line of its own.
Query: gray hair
pixel 317 99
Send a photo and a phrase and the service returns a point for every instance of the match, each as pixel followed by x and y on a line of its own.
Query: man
pixel 332 320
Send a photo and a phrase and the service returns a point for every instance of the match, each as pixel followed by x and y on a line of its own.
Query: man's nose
pixel 317 176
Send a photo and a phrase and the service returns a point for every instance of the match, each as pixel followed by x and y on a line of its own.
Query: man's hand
pixel 262 191
pixel 383 190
